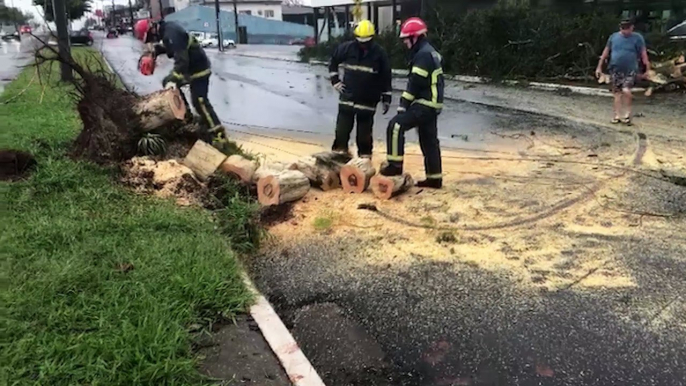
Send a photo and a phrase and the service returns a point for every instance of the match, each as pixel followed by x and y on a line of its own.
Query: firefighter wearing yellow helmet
pixel 366 82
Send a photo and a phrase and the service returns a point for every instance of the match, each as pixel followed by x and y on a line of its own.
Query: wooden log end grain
pixel 356 175
pixel 282 187
pixel 240 168
pixel 385 187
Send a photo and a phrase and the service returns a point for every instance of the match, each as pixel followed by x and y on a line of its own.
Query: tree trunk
pixel 240 167
pixel 160 108
pixel 356 175
pixel 332 160
pixel 286 186
pixel 203 159
pixel 387 187
pixel 321 175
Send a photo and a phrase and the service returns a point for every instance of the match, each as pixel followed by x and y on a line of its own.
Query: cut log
pixel 203 159
pixel 333 160
pixel 240 167
pixel 387 187
pixel 160 108
pixel 321 175
pixel 286 186
pixel 356 174
pixel 271 169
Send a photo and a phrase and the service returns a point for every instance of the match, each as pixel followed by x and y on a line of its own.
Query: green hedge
pixel 513 42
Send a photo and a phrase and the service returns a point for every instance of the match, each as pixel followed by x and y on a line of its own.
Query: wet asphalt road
pixel 13 56
pixel 284 95
pixel 445 324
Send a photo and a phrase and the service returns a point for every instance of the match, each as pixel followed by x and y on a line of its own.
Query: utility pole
pixel 161 10
pixel 220 38
pixel 235 20
pixel 113 21
pixel 63 40
pixel 131 15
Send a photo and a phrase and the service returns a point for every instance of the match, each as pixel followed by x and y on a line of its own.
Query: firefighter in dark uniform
pixel 367 81
pixel 191 66
pixel 420 105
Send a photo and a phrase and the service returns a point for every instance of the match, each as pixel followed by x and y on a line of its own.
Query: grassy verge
pixel 99 285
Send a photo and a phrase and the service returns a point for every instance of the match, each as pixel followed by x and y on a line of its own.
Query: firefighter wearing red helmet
pixel 420 105
pixel 192 67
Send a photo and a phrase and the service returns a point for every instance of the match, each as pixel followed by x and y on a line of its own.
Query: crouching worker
pixel 367 82
pixel 420 105
pixel 192 67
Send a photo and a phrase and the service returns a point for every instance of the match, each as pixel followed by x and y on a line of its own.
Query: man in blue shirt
pixel 624 48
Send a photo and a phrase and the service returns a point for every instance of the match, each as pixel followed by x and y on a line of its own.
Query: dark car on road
pixel 83 36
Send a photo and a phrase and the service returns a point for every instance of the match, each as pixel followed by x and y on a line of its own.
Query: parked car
pixel 308 42
pixel 212 41
pixel 199 36
pixel 83 36
pixel 25 29
pixel 678 32
pixel 10 37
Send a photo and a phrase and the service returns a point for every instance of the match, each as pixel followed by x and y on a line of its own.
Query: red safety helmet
pixel 141 28
pixel 413 27
pixel 146 65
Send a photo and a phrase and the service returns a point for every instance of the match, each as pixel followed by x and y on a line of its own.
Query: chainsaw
pixel 146 64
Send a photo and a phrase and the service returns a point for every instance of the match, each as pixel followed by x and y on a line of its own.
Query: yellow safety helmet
pixel 364 31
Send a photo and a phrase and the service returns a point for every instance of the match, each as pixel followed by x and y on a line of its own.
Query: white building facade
pixel 268 9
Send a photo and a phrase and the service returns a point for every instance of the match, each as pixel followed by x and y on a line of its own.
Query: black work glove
pixel 386 101
pixel 169 79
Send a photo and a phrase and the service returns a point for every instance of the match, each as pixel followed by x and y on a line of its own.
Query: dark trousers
pixel 199 89
pixel 425 119
pixel 344 127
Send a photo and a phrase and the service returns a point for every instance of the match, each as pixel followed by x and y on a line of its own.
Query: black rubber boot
pixel 391 170
pixel 434 183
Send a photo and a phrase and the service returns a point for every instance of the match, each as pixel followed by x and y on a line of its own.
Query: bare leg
pixel 628 98
pixel 618 104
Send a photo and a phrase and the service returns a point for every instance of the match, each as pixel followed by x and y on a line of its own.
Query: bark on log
pixel 333 160
pixel 356 175
pixel 270 169
pixel 240 167
pixel 387 187
pixel 286 186
pixel 322 175
pixel 203 159
pixel 160 108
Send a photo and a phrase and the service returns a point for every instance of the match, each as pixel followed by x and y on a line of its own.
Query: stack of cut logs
pixel 280 182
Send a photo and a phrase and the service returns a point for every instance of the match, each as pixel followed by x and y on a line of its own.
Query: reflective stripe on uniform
pixel 431 104
pixel 394 142
pixel 354 67
pixel 331 74
pixel 395 158
pixel 420 71
pixel 201 102
pixel 434 84
pixel 177 75
pixel 408 96
pixel 387 93
pixel 201 74
pixel 436 176
pixel 401 109
pixel 357 106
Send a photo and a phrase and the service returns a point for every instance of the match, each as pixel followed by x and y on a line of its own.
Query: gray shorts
pixel 620 80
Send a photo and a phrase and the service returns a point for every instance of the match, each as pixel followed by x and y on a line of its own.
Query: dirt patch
pixel 163 179
pixel 15 164
pixel 273 215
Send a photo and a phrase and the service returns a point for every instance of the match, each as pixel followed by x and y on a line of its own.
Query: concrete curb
pixel 295 363
pixel 541 86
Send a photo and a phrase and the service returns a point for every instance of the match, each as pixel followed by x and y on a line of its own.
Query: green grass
pixel 323 222
pixel 71 315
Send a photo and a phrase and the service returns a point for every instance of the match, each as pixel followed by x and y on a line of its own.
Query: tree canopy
pixel 13 15
pixel 75 8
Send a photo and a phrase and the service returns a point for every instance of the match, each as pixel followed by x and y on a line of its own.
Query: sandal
pixel 626 121
pixel 615 121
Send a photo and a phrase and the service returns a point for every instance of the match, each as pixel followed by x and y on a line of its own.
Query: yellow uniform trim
pixel 357 106
pixel 408 96
pixel 395 158
pixel 177 75
pixel 201 102
pixel 434 84
pixel 394 141
pixel 436 176
pixel 420 71
pixel 201 74
pixel 431 104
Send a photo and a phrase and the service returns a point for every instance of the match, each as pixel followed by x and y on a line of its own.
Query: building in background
pixel 268 9
pixel 256 29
